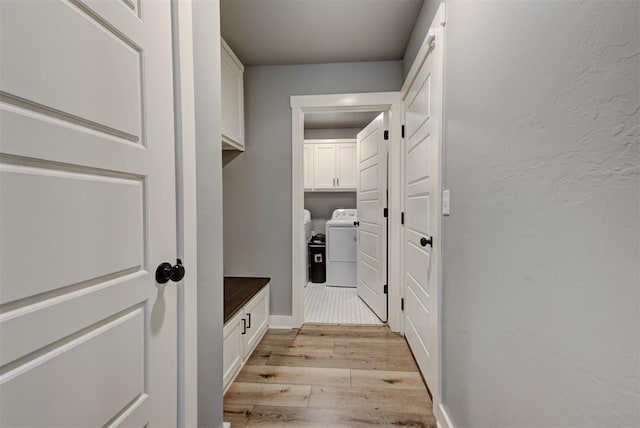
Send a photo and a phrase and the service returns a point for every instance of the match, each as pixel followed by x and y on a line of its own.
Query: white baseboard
pixel 281 321
pixel 442 418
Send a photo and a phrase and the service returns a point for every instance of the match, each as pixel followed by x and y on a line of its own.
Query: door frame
pixel 343 103
pixel 186 215
pixel 436 33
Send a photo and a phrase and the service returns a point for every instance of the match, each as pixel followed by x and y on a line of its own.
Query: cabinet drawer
pixel 257 316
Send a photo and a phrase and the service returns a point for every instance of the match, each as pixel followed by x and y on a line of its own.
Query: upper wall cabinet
pixel 330 165
pixel 232 99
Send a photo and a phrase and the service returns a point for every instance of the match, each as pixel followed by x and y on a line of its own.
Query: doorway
pixel 308 112
pixel 345 178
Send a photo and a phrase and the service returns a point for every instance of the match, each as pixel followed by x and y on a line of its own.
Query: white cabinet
pixel 324 166
pixel 242 333
pixel 330 165
pixel 346 165
pixel 232 99
pixel 308 167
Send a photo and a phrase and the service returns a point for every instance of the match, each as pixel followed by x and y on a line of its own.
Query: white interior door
pixel 372 229
pixel 423 113
pixel 87 212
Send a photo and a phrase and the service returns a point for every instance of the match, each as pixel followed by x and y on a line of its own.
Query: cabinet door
pixel 324 166
pixel 257 316
pixel 232 101
pixel 232 348
pixel 346 165
pixel 308 167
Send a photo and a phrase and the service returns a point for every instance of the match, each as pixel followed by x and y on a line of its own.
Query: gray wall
pixel 208 111
pixel 332 133
pixel 423 23
pixel 257 183
pixel 541 281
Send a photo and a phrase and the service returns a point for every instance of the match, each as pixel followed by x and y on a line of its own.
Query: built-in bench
pixel 246 319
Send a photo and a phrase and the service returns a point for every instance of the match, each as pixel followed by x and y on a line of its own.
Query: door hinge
pixel 386 135
pixel 402 303
pixel 402 218
pixel 386 289
pixel 385 212
pixel 402 131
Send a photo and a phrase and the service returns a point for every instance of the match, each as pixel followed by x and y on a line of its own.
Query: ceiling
pixel 338 120
pixel 279 32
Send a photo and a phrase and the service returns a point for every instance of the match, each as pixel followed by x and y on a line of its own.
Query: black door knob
pixel 356 223
pixel 177 271
pixel 166 272
pixel 424 241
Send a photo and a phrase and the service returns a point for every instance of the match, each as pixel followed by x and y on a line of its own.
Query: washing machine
pixel 342 248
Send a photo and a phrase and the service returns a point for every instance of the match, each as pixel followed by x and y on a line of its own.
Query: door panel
pixel 422 111
pixel 87 211
pixel 324 166
pixel 346 165
pixel 372 231
pixel 308 166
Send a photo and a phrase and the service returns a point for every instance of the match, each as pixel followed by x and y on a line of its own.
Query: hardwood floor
pixel 329 376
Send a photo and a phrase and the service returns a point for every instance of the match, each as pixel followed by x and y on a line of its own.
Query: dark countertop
pixel 238 290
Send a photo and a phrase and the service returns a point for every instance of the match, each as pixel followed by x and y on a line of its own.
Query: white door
pixel 324 166
pixel 346 166
pixel 422 110
pixel 87 208
pixel 308 167
pixel 372 229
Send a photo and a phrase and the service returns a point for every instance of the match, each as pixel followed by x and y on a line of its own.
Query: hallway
pixel 329 376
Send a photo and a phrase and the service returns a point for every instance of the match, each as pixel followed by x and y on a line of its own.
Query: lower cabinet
pixel 242 333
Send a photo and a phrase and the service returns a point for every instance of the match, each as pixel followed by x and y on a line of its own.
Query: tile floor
pixel 336 305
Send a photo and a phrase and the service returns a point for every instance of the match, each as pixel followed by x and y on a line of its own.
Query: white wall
pixel 206 56
pixel 257 183
pixel 541 278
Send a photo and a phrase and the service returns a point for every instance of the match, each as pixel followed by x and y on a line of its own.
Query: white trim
pixel 329 140
pixel 225 46
pixel 281 322
pixel 442 417
pixel 363 102
pixel 184 113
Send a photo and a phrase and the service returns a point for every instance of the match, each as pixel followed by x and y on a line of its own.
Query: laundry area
pixel 337 163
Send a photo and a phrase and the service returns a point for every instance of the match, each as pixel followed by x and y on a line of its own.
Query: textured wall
pixel 541 281
pixel 257 183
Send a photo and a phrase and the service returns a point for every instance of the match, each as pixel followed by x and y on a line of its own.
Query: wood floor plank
pixel 381 379
pixel 268 394
pixel 368 347
pixel 297 346
pixel 409 401
pixel 282 333
pixel 259 357
pixel 344 361
pixel 270 417
pixel 237 414
pixel 295 375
